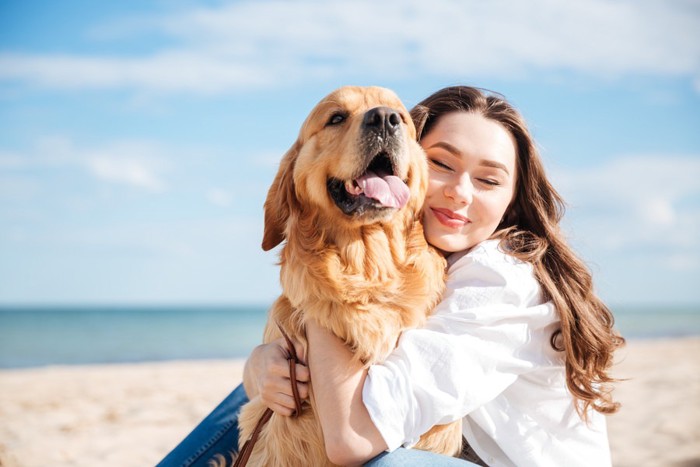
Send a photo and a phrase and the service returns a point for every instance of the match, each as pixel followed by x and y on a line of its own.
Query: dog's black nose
pixel 382 119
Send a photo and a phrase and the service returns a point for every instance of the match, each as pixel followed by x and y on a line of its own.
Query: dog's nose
pixel 382 119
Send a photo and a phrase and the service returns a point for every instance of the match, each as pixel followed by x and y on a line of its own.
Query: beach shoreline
pixel 133 414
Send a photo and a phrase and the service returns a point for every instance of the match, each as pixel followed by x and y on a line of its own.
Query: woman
pixel 520 346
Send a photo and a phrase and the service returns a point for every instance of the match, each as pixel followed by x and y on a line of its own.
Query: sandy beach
pixel 132 415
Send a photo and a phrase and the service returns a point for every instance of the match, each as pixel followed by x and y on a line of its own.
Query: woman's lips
pixel 449 218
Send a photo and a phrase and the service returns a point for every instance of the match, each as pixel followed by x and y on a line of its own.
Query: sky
pixel 138 138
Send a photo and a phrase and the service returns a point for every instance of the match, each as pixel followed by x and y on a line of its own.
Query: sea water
pixel 36 336
pixel 39 336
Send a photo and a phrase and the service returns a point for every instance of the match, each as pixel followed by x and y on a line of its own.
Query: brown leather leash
pixel 292 360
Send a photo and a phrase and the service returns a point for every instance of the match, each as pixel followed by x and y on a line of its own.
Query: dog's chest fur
pixel 380 280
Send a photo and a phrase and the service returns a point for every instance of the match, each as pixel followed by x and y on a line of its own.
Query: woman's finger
pixel 279 409
pixel 303 373
pixel 272 384
pixel 279 400
pixel 299 349
pixel 303 389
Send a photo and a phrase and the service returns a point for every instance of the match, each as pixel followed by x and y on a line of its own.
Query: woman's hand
pixel 266 374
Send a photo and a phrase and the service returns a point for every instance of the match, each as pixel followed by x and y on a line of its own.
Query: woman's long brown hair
pixel 530 231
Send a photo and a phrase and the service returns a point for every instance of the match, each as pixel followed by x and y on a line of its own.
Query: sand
pixel 132 415
pixel 659 422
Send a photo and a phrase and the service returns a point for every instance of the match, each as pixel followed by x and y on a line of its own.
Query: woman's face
pixel 472 180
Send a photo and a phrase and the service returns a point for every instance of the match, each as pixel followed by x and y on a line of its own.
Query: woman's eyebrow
pixel 494 164
pixel 447 147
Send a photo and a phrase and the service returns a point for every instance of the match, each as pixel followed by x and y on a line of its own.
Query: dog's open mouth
pixel 376 189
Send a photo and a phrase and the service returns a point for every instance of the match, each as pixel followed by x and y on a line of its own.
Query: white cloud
pixel 658 211
pixel 16 188
pixel 219 197
pixel 132 163
pixel 10 160
pixel 125 170
pixel 636 179
pixel 268 160
pixel 273 43
pixel 682 263
pixel 135 163
pixel 636 221
pixel 635 201
pixel 166 71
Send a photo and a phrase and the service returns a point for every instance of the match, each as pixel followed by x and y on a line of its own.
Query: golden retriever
pixel 347 199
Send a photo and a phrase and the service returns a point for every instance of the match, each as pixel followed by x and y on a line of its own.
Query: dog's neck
pixel 340 264
pixel 386 272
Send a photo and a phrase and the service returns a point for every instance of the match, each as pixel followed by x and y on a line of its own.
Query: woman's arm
pixel 266 374
pixel 491 328
pixel 349 433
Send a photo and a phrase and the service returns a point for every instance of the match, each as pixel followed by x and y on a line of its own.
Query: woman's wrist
pixel 249 373
pixel 350 434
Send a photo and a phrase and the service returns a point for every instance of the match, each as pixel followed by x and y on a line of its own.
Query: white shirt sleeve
pixel 489 328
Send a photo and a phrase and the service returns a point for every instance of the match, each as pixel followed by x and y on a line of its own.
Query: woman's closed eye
pixel 439 164
pixel 489 181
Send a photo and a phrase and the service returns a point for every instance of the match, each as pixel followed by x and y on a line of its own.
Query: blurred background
pixel 138 140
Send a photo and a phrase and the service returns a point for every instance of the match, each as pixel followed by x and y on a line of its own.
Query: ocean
pixel 38 336
pixel 41 336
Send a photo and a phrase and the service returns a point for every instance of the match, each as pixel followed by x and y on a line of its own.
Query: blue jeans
pixel 415 458
pixel 217 434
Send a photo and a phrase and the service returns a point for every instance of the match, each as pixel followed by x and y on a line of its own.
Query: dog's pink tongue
pixel 389 190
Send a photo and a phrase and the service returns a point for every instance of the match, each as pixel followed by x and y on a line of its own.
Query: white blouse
pixel 485 356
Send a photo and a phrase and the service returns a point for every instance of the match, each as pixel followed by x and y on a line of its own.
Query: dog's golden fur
pixel 366 276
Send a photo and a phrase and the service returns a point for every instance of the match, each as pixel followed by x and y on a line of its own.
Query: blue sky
pixel 138 138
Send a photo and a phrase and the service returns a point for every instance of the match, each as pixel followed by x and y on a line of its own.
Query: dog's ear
pixel 281 198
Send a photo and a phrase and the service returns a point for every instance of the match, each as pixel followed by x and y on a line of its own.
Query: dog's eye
pixel 336 119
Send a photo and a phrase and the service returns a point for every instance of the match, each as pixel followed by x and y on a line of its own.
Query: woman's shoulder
pixel 487 266
pixel 489 253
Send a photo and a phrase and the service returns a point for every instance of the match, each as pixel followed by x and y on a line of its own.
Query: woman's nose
pixel 461 190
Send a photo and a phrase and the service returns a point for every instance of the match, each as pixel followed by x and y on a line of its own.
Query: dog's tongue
pixel 389 190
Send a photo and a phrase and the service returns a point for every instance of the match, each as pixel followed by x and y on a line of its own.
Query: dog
pixel 347 201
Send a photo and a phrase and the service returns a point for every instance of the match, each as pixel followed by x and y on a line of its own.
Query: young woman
pixel 520 346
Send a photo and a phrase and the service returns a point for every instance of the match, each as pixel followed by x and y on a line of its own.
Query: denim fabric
pixel 415 458
pixel 216 434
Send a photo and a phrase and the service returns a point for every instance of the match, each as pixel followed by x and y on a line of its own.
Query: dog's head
pixel 355 162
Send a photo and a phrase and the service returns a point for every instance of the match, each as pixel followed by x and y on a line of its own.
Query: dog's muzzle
pixel 376 188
